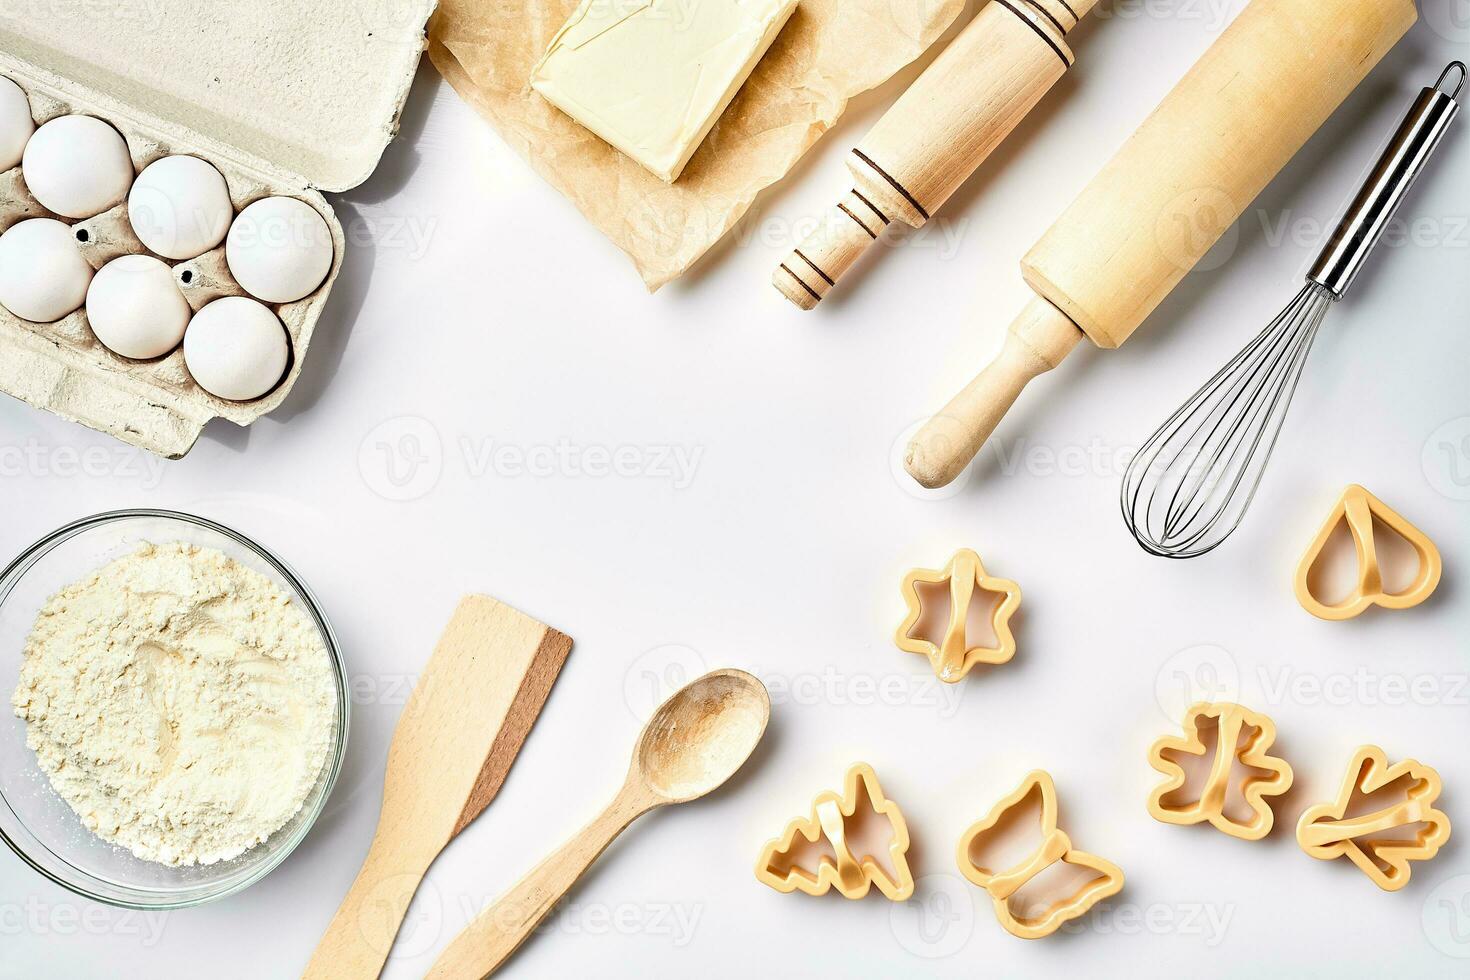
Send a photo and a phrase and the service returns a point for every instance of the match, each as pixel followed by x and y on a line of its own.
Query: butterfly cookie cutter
pixel 1326 831
pixel 952 657
pixel 1055 846
pixel 1271 776
pixel 1358 509
pixel 832 822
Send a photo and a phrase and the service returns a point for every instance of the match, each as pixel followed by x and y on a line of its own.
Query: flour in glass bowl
pixel 180 703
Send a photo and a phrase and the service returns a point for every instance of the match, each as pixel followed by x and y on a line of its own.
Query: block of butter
pixel 652 76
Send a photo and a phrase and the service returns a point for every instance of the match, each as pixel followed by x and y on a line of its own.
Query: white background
pixel 477 310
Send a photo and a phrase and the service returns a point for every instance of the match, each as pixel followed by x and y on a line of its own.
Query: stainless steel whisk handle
pixel 1381 194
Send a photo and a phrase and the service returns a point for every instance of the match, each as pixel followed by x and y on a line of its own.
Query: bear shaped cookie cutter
pixel 1271 776
pixel 1352 826
pixel 1358 509
pixel 952 657
pixel 1002 885
pixel 832 823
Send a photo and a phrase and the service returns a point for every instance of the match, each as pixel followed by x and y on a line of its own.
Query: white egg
pixel 279 249
pixel 43 276
pixel 135 309
pixel 16 124
pixel 236 348
pixel 77 166
pixel 180 207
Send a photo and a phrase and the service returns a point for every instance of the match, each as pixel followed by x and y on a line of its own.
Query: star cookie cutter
pixel 832 823
pixel 1326 831
pixel 952 657
pixel 1273 776
pixel 1055 846
pixel 1358 508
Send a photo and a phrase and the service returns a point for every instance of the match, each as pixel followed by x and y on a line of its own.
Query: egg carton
pixel 334 61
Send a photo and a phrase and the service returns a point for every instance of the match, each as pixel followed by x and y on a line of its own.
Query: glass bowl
pixel 36 822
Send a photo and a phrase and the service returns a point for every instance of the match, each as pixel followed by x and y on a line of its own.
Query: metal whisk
pixel 1190 485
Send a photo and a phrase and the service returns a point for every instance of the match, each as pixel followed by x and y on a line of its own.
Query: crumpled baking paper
pixel 828 52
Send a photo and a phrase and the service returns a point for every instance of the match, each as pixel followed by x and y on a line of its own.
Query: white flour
pixel 180 703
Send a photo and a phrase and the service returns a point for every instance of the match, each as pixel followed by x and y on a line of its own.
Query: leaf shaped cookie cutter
pixel 952 657
pixel 1358 508
pixel 1327 832
pixel 1055 846
pixel 1230 721
pixel 832 820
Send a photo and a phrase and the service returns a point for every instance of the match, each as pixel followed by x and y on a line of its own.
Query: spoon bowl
pixel 701 735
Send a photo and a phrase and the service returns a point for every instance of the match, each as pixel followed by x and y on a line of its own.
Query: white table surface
pixel 484 346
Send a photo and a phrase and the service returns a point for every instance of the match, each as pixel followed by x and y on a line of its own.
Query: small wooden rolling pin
pixel 937 134
pixel 1184 177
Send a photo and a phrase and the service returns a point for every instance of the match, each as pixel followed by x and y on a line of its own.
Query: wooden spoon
pixel 695 741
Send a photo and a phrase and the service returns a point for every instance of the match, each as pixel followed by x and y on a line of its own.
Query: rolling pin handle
pixel 846 231
pixel 1039 339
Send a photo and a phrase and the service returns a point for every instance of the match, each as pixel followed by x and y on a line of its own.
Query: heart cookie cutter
pixel 1055 846
pixel 833 821
pixel 952 657
pixel 1327 832
pixel 1229 721
pixel 1358 508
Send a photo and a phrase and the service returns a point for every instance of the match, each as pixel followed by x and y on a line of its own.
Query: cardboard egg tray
pixel 155 404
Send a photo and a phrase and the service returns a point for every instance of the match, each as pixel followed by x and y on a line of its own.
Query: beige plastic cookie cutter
pixel 833 824
pixel 1359 509
pixel 1241 736
pixel 1055 846
pixel 1362 829
pixel 952 657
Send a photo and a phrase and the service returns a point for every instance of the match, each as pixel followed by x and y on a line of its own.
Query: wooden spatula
pixel 460 731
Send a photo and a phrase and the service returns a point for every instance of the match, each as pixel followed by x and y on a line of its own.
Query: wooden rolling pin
pixel 937 134
pixel 1240 114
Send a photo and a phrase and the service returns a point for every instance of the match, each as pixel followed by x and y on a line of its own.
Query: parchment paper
pixel 828 52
